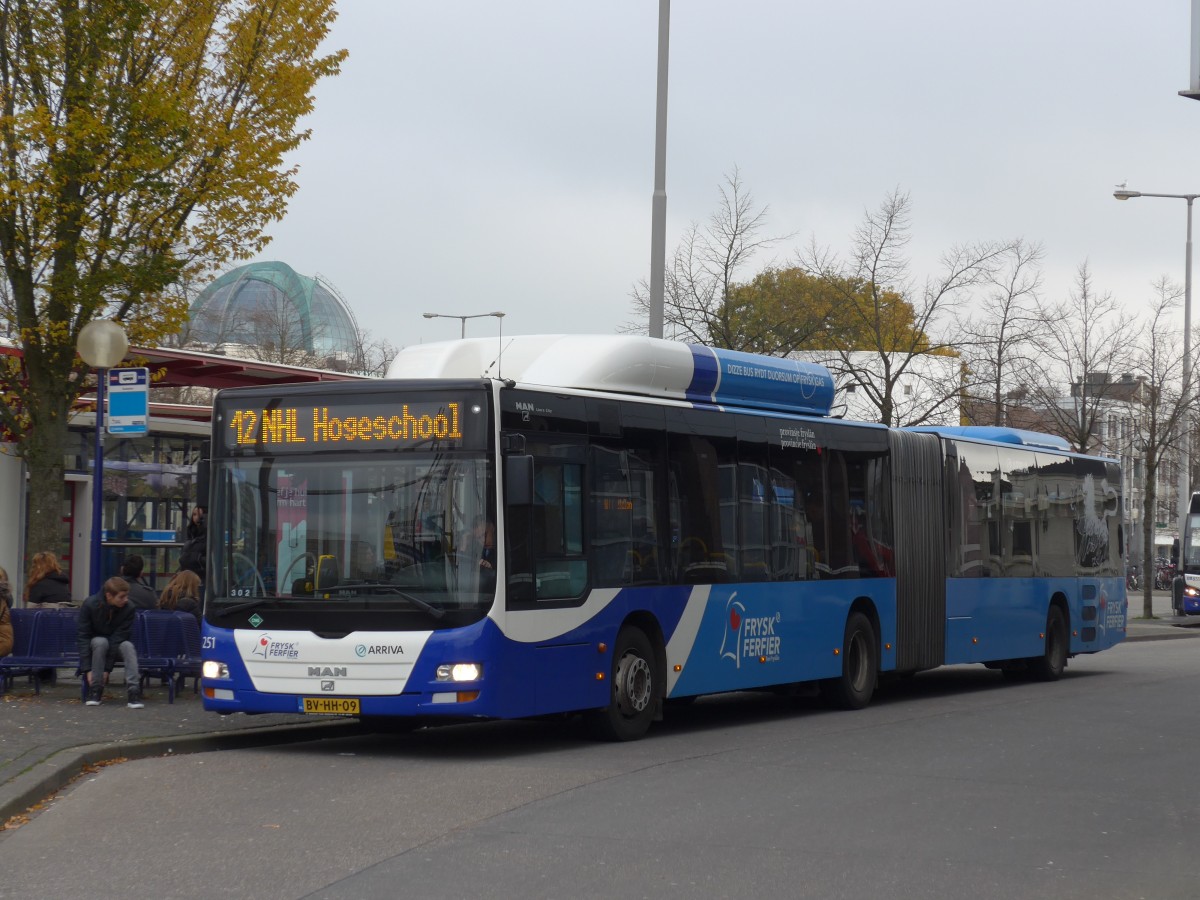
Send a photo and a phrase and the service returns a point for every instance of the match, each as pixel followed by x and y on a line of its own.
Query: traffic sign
pixel 128 401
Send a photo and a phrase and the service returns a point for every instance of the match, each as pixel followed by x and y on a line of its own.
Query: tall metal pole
pixel 658 212
pixel 1185 493
pixel 102 344
pixel 1193 89
pixel 1183 488
pixel 95 578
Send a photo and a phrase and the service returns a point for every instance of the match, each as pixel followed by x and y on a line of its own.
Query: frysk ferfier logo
pixel 749 637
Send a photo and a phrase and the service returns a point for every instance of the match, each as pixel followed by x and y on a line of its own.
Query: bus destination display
pixel 377 425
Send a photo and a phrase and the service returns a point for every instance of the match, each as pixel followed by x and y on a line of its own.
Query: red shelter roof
pixel 190 368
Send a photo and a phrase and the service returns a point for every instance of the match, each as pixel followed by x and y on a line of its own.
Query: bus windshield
pixel 327 535
pixel 1191 546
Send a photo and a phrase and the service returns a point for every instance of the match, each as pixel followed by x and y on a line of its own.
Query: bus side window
pixel 841 558
pixel 624 536
pixel 559 568
pixel 697 540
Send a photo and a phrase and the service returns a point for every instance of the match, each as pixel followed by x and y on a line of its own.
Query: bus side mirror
pixel 518 480
pixel 202 471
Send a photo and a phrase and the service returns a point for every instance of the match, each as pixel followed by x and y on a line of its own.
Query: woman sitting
pixel 6 596
pixel 182 593
pixel 48 586
pixel 6 628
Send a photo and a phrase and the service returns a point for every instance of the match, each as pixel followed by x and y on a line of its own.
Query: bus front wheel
pixel 634 690
pixel 854 688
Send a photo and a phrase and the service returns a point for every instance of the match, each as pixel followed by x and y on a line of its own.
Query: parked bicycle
pixel 1163 576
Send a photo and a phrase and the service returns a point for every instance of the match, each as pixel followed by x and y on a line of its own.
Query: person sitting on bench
pixel 106 623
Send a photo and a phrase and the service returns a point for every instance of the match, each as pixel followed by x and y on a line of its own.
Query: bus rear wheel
pixel 854 688
pixel 1053 661
pixel 634 690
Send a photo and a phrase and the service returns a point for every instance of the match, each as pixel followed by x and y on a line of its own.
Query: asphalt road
pixel 952 784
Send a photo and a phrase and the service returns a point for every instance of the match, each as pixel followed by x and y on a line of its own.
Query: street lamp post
pixel 1122 193
pixel 658 202
pixel 102 344
pixel 463 319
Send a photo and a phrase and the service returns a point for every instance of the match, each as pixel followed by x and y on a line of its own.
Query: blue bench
pixel 167 643
pixel 15 664
pixel 42 639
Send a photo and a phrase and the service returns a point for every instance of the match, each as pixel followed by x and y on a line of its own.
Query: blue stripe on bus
pixel 734 378
pixel 705 374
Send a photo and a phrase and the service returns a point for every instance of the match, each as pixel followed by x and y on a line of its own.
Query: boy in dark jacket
pixel 106 623
pixel 141 595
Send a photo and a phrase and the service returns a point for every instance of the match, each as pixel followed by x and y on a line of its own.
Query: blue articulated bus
pixel 1185 588
pixel 598 524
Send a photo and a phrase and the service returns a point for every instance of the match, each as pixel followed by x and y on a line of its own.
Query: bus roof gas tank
pixel 629 364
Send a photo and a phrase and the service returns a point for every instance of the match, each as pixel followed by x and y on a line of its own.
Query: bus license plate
pixel 329 706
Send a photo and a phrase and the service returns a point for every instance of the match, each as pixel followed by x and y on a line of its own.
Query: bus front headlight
pixel 213 669
pixel 460 672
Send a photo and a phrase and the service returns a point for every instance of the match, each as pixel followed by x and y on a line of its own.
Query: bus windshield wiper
pixel 435 611
pixel 241 607
pixel 383 588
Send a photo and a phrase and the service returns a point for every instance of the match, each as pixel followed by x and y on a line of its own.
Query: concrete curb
pixel 1164 628
pixel 56 771
pixel 1133 638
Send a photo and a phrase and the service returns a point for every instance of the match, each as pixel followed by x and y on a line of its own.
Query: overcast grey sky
pixel 478 155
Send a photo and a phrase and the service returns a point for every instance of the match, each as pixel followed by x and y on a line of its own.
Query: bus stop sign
pixel 128 401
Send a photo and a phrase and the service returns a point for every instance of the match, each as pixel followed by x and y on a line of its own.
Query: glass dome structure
pixel 269 307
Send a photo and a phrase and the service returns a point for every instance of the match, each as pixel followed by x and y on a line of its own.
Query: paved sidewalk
pixel 48 739
pixel 1165 625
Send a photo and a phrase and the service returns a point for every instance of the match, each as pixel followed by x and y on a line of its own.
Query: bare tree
pixel 996 341
pixel 1158 413
pixel 894 317
pixel 276 332
pixel 702 273
pixel 1088 338
pixel 372 355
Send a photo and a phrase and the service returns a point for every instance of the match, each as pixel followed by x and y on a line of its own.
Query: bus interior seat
pixel 327 572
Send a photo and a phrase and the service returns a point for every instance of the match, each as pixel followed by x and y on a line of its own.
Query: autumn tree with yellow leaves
pixel 891 323
pixel 141 142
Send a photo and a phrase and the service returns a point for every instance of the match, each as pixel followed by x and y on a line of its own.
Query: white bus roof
pixel 628 364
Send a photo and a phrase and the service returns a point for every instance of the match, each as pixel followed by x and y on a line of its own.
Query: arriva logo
pixel 749 637
pixel 379 650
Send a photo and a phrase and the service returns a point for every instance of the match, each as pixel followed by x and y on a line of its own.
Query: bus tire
pixel 854 688
pixel 1053 661
pixel 634 690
